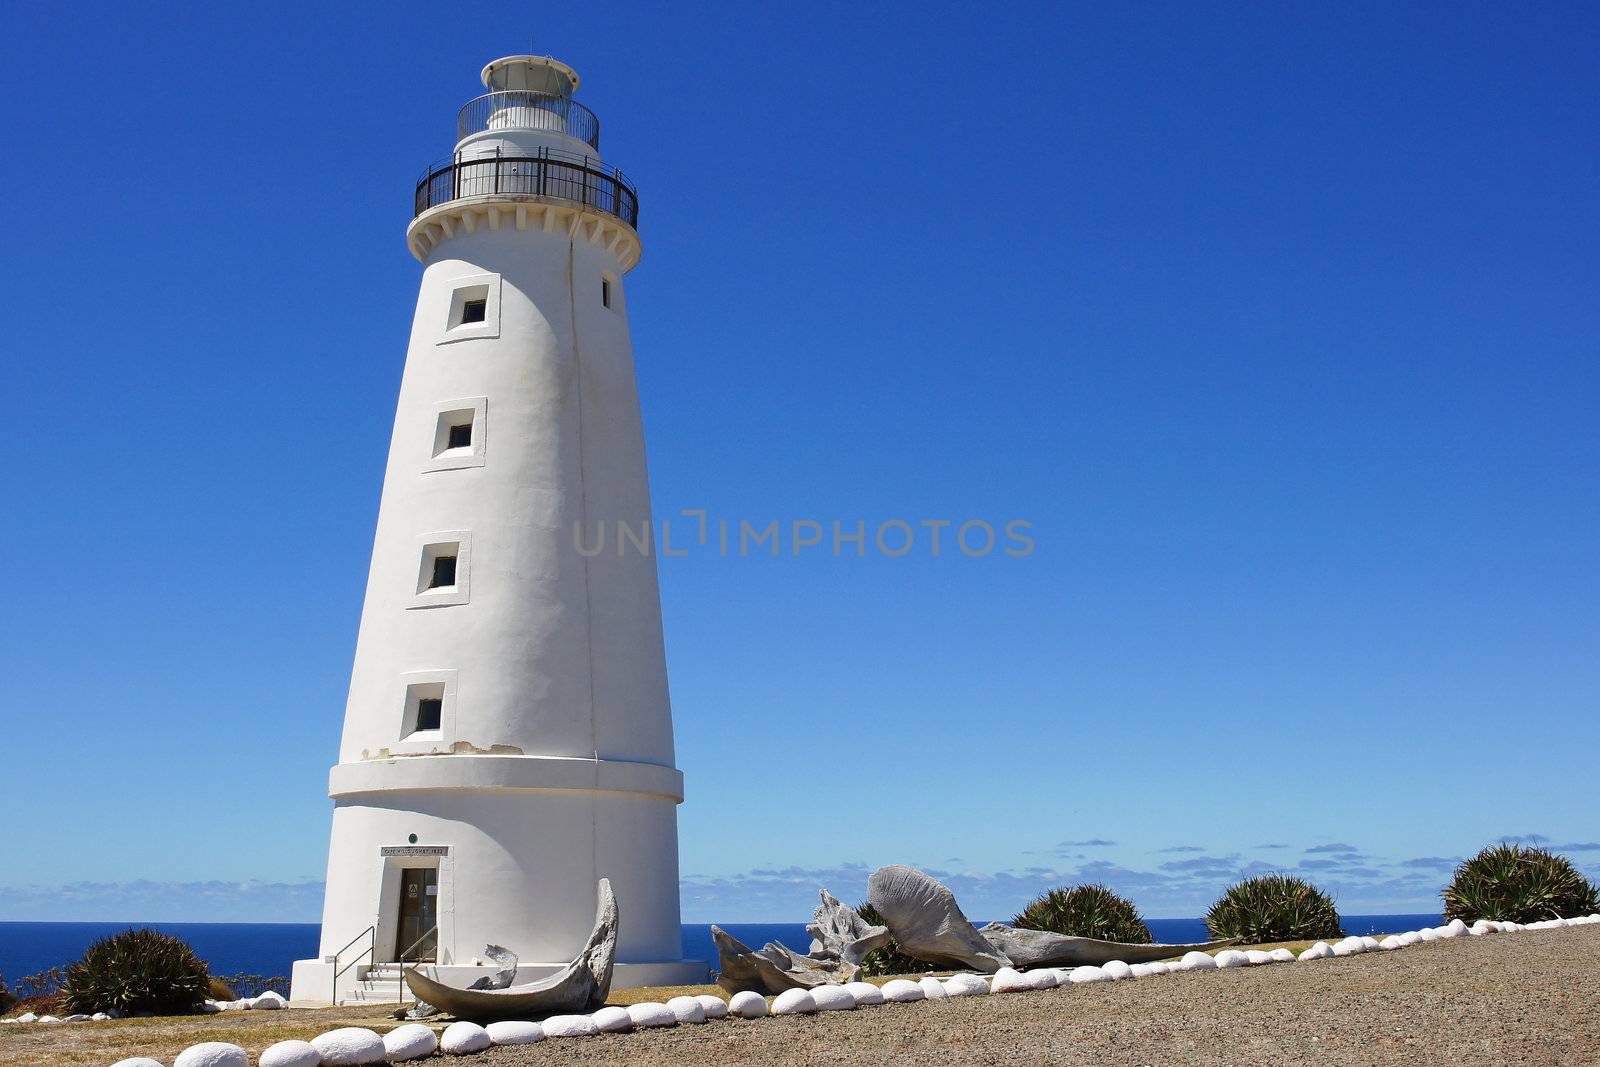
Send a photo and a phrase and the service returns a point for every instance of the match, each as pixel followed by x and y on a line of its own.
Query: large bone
pixel 774 968
pixel 580 986
pixel 837 932
pixel 1041 948
pixel 927 923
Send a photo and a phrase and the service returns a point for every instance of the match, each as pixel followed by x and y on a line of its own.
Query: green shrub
pixel 1085 911
pixel 888 959
pixel 137 970
pixel 8 999
pixel 1273 907
pixel 1511 883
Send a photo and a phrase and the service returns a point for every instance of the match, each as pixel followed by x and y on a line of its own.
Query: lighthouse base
pixel 313 984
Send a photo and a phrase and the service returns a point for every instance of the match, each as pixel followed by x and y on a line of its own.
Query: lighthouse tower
pixel 508 737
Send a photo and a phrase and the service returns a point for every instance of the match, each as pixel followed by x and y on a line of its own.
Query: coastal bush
pixel 1512 883
pixel 7 998
pixel 1085 911
pixel 136 970
pixel 888 959
pixel 1273 907
pixel 217 989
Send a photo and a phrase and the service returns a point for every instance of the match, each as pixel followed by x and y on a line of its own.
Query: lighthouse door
pixel 415 935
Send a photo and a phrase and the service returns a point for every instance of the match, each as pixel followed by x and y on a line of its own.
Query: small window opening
pixel 430 711
pixel 605 292
pixel 460 436
pixel 475 311
pixel 444 572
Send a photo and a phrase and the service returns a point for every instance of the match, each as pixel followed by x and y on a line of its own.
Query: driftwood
pixel 580 986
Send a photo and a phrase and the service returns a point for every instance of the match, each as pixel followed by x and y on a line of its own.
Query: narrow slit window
pixel 605 292
pixel 444 572
pixel 430 712
pixel 460 436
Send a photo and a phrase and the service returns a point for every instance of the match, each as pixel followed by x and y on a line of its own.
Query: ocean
pixel 268 949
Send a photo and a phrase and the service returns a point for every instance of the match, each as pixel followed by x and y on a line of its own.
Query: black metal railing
pixel 549 174
pixel 524 109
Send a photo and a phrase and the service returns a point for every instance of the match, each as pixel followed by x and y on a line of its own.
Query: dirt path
pixel 1528 998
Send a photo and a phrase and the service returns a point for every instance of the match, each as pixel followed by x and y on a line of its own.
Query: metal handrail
pixel 548 174
pixel 371 949
pixel 400 993
pixel 525 109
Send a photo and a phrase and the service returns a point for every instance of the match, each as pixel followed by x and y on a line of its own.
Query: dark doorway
pixel 419 913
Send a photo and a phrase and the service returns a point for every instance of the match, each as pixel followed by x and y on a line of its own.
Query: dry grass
pixel 98 1044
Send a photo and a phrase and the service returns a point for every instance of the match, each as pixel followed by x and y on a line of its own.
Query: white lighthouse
pixel 508 737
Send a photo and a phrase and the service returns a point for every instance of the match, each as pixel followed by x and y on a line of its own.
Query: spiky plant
pixel 1085 911
pixel 136 970
pixel 1520 884
pixel 888 959
pixel 1274 907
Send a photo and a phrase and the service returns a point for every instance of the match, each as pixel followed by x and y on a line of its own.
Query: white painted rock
pixel 571 1025
pixel 1281 955
pixel 1456 928
pixel 27 1017
pixel 797 1002
pixel 833 998
pixel 1117 970
pixel 137 1061
pixel 715 1007
pixel 1039 978
pixel 1081 975
pixel 100 1017
pixel 513 1032
pixel 348 1046
pixel 1198 961
pixel 1390 943
pixel 1344 948
pixel 965 985
pixel 1409 938
pixel 903 991
pixel 747 1005
pixel 464 1039
pixel 48 1019
pixel 412 1041
pixel 291 1054
pixel 1006 980
pixel 688 1009
pixel 1159 968
pixel 212 1054
pixel 612 1020
pixel 1320 951
pixel 209 1007
pixel 650 1014
pixel 1255 957
pixel 1428 934
pixel 1480 928
pixel 1140 970
pixel 79 1017
pixel 868 993
pixel 269 1001
pixel 1230 957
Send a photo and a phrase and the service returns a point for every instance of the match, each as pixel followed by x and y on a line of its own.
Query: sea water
pixel 268 949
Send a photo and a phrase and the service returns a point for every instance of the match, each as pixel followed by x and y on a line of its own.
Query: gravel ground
pixel 1526 998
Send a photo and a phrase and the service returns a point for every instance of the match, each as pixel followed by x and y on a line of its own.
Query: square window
pixel 460 431
pixel 423 710
pixel 444 573
pixel 430 713
pixel 473 309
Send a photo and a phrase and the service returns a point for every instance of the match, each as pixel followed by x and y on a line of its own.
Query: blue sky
pixel 1278 325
